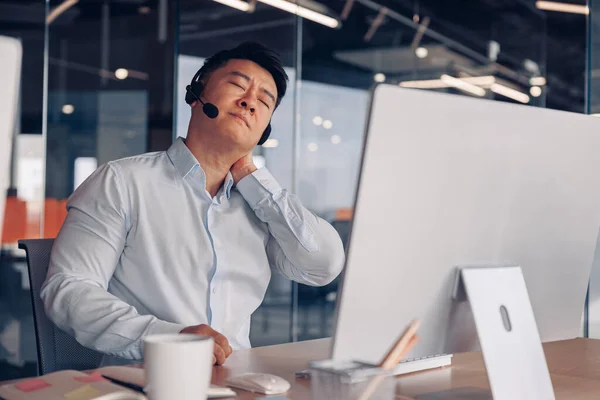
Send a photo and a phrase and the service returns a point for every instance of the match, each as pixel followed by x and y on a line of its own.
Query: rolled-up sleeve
pixel 83 260
pixel 302 246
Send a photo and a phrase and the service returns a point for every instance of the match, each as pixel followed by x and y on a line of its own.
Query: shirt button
pixel 214 290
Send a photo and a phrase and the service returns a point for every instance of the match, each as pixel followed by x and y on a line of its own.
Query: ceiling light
pixel 312 146
pixel 424 84
pixel 144 10
pixel 327 124
pixel 537 81
pixel 563 7
pixel 510 93
pixel 379 77
pixel 335 139
pixel 68 109
pixel 237 4
pixel 535 91
pixel 462 85
pixel 121 73
pixel 271 143
pixel 483 81
pixel 303 12
pixel 595 115
pixel 421 52
pixel 58 10
pixel 317 120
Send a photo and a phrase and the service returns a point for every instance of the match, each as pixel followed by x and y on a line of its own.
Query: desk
pixel 574 366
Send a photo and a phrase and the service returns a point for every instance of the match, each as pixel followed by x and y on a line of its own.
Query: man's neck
pixel 216 164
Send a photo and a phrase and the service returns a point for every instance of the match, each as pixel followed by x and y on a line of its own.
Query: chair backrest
pixel 56 349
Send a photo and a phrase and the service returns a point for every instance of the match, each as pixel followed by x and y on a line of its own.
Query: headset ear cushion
pixel 189 96
pixel 196 89
pixel 265 135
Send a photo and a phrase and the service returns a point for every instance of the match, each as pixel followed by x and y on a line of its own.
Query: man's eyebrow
pixel 241 75
pixel 247 78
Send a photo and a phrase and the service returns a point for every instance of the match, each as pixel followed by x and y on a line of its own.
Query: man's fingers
pixel 223 342
pixel 214 359
pixel 218 338
pixel 219 354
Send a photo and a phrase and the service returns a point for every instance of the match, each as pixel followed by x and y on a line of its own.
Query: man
pixel 185 240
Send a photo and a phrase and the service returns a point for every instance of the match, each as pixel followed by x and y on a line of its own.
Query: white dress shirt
pixel 145 250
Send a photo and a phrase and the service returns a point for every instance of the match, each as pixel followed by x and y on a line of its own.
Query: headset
pixel 192 94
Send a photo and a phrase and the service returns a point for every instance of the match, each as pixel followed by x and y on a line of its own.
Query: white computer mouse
pixel 259 383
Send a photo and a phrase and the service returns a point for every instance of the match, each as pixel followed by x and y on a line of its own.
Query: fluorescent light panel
pixel 473 85
pixel 537 81
pixel 425 84
pixel 563 7
pixel 303 12
pixel 462 85
pixel 239 4
pixel 510 93
pixel 483 81
pixel 58 10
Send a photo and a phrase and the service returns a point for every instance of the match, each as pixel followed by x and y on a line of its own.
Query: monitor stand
pixel 507 331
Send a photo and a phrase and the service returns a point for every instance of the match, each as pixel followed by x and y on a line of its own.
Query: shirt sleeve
pixel 83 260
pixel 302 246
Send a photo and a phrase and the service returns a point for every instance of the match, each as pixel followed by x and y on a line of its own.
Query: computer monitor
pixel 10 75
pixel 451 181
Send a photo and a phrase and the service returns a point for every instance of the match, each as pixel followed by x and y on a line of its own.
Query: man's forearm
pixel 97 319
pixel 303 246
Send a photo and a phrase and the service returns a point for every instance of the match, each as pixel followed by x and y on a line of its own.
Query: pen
pixel 403 346
pixel 128 385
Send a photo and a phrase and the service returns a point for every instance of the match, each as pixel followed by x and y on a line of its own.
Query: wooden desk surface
pixel 574 366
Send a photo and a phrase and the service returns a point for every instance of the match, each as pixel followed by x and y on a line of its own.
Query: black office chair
pixel 56 350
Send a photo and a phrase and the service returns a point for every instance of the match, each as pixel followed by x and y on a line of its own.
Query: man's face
pixel 245 95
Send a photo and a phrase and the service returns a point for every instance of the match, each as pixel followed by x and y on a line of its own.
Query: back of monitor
pixel 451 181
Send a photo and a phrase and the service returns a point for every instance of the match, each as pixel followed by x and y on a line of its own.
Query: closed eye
pixel 265 103
pixel 238 85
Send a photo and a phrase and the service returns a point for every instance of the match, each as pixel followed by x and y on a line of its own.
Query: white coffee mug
pixel 178 366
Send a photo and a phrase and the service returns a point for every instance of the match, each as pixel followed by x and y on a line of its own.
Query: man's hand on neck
pixel 242 168
pixel 216 164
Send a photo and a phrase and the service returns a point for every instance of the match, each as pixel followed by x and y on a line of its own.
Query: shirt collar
pixel 228 184
pixel 184 161
pixel 181 157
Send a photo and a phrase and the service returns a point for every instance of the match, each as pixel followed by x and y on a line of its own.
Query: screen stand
pixel 507 331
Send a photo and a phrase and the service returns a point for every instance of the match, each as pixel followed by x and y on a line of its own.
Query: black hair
pixel 255 52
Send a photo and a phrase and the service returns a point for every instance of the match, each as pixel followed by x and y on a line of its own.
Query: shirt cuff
pixel 257 186
pixel 159 327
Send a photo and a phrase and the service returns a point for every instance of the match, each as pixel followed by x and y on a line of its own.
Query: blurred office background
pixel 105 79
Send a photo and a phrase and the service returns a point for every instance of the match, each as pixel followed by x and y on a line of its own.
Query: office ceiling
pixel 554 41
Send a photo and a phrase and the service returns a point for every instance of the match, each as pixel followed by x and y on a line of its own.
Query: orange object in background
pixel 22 219
pixel 15 220
pixel 344 214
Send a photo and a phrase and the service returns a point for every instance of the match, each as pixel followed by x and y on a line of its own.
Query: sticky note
pixel 86 392
pixel 31 385
pixel 95 377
